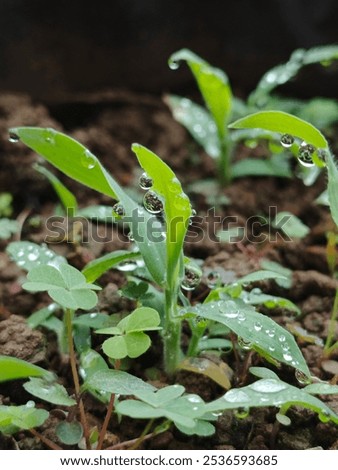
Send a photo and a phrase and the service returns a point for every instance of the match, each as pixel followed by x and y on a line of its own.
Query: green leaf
pixel 40 316
pixel 256 297
pixel 263 373
pixel 12 368
pixel 8 228
pixel 14 418
pixel 69 433
pixel 278 268
pixel 28 255
pixel 284 123
pixel 73 159
pixel 213 85
pixel 99 266
pixel 260 276
pixel 115 347
pixel 117 381
pixel 198 121
pixel 255 329
pixel 49 391
pixel 176 207
pixel 92 362
pixel 321 389
pixel 293 227
pixel 65 285
pixel 271 392
pixel 141 319
pixel 202 428
pixel 332 171
pixel 99 213
pixel 137 343
pixel 66 197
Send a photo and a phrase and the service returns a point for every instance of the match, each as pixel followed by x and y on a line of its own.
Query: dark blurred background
pixel 50 49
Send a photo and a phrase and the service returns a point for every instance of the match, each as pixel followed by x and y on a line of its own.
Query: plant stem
pixel 69 313
pixel 106 421
pixel 144 433
pixel 45 440
pixel 172 334
pixel 332 325
pixel 224 164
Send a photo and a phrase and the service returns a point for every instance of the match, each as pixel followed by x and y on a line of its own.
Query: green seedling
pixel 129 337
pixel 312 149
pixel 208 126
pixel 8 228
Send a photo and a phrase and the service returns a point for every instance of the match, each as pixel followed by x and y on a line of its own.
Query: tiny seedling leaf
pixel 12 368
pixel 14 418
pixel 69 433
pixel 8 228
pixel 28 255
pixel 99 266
pixel 259 276
pixel 256 330
pixel 291 225
pixel 213 85
pixel 117 381
pixel 65 285
pixel 49 391
pixel 332 186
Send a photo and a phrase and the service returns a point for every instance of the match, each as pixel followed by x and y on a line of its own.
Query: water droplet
pixel 282 338
pixel 283 419
pixel 194 399
pixel 241 317
pixel 257 326
pixel 305 154
pixel 152 203
pixel 287 140
pixel 213 279
pixel 242 412
pixel 88 160
pixel 174 65
pixel 175 187
pixel 245 345
pixel 302 378
pixel 20 253
pixel 192 277
pixel 50 134
pixel 118 211
pixel 287 357
pixel 145 181
pixel 126 266
pixel 285 347
pixel 271 333
pixel 236 396
pixel 33 256
pixel 13 137
pixel 268 386
pixel 30 404
pixel 131 236
pixel 272 348
pixel 324 416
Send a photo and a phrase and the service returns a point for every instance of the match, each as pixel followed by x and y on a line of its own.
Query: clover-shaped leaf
pixel 13 418
pixel 65 285
pixel 130 339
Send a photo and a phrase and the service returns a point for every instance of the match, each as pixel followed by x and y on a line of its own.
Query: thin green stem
pixel 172 333
pixel 224 163
pixel 69 313
pixel 139 441
pixel 197 333
pixel 332 325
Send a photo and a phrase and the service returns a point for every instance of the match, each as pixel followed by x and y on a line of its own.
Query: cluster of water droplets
pixel 305 150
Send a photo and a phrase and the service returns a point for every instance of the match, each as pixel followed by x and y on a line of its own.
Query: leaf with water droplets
pixel 332 171
pixel 284 123
pixel 49 391
pixel 259 276
pixel 198 121
pixel 28 255
pixel 271 392
pixel 117 381
pixel 177 208
pixel 213 85
pixel 94 269
pixel 73 159
pixel 14 418
pixel 269 339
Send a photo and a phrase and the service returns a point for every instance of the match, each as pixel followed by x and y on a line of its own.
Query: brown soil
pixel 108 123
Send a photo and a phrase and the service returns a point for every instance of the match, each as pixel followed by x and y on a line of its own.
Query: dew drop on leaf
pixel 152 203
pixel 131 236
pixel 268 386
pixel 242 413
pixel 88 160
pixel 236 396
pixel 118 210
pixel 257 326
pixel 49 137
pixel 287 140
pixel 174 65
pixel 241 317
pixel 145 181
pixel 33 256
pixel 213 279
pixel 126 266
pixel 245 345
pixel 287 356
pixel 30 404
pixel 192 277
pixel 302 378
pixel 305 154
pixel 13 137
